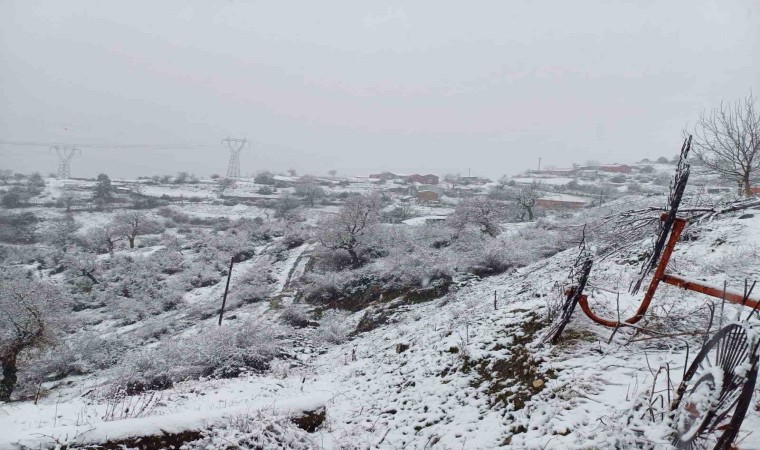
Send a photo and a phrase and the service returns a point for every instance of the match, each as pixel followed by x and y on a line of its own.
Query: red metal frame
pixel 661 276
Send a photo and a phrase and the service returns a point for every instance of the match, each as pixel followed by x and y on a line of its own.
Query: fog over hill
pixel 431 87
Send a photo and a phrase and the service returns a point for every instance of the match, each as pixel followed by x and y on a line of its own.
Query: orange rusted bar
pixel 691 285
pixel 675 234
pixel 659 274
pixel 583 303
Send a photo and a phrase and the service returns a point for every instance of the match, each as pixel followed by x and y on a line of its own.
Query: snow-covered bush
pixel 135 288
pixel 253 285
pixel 332 328
pixel 255 433
pixel 492 260
pixel 220 352
pixel 295 317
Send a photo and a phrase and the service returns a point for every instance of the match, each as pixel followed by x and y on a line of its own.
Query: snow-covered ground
pixel 465 371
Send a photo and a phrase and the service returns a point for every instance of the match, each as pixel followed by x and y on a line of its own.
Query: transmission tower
pixel 236 146
pixel 65 155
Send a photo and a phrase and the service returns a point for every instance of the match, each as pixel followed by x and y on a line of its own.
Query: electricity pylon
pixel 65 155
pixel 236 146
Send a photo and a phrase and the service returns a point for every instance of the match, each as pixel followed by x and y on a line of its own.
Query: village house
pixel 429 194
pixel 423 179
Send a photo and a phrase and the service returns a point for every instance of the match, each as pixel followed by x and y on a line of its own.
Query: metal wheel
pixel 571 300
pixel 716 391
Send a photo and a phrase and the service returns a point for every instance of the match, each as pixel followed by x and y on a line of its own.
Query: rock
pixel 401 347
pixel 746 216
pixel 310 421
pixel 371 320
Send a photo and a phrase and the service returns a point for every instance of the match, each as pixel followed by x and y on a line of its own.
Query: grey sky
pixel 422 86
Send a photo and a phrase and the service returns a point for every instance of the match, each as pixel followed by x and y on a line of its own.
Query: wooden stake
pixel 226 289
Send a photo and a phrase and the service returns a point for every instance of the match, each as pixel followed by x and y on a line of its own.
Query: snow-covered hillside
pixel 406 367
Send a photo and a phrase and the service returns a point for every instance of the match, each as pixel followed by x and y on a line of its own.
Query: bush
pixel 255 433
pixel 218 352
pixel 18 228
pixel 264 178
pixel 333 329
pixel 492 261
pixel 254 285
pixel 295 317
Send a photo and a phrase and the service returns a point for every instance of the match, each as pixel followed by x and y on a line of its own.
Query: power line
pixel 107 146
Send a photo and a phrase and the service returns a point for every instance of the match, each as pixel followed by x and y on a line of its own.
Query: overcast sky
pixel 423 86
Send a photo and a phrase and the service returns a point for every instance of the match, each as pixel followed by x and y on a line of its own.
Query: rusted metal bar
pixel 691 285
pixel 667 253
pixel 675 234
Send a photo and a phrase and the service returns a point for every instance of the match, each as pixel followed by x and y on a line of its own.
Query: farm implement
pixel 712 400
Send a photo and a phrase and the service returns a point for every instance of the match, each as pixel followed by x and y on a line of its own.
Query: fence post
pixel 226 289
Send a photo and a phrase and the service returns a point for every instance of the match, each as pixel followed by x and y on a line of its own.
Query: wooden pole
pixel 226 289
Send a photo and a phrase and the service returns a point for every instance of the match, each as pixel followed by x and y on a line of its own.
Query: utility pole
pixel 539 164
pixel 236 146
pixel 65 155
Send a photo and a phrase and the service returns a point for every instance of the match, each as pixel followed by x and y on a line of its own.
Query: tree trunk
pixel 747 185
pixel 131 242
pixel 530 213
pixel 8 383
pixel 354 257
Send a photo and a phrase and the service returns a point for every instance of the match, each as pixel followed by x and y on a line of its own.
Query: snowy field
pixel 465 370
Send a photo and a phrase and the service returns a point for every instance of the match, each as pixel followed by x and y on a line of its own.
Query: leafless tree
pixel 225 183
pixel 29 315
pixel 309 190
pixel 350 228
pixel 332 172
pixel 131 224
pixel 60 231
pixel 452 179
pixel 5 175
pixel 727 141
pixel 483 212
pixel 67 200
pixel 104 237
pixel 285 207
pixel 526 197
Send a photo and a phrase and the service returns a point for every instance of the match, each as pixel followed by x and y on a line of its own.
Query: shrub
pixel 295 317
pixel 218 352
pixel 254 433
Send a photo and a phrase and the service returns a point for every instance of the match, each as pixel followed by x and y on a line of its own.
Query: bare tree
pixel 132 224
pixel 60 231
pixel 309 190
pixel 526 197
pixel 350 228
pixel 727 141
pixel 29 312
pixel 5 175
pixel 331 172
pixel 483 212
pixel 225 183
pixel 104 237
pixel 285 207
pixel 452 179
